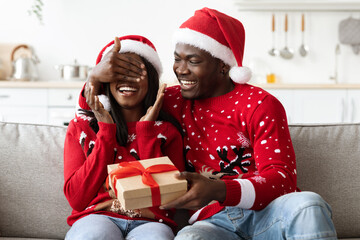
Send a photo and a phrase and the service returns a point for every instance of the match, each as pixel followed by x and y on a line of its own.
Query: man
pixel 236 141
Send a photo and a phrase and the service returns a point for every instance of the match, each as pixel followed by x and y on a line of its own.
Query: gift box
pixel 145 183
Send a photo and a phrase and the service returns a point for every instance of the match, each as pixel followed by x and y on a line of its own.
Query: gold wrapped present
pixel 145 183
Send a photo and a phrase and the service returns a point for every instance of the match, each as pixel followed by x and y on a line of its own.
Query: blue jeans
pixel 295 216
pixel 102 227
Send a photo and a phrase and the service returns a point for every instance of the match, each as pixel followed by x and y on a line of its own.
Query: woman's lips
pixel 127 90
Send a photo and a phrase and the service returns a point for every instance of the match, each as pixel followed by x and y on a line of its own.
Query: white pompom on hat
pixel 220 35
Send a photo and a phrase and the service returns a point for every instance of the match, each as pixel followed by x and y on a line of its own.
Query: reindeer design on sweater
pixel 227 166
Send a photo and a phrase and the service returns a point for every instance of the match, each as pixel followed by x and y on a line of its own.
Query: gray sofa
pixel 32 203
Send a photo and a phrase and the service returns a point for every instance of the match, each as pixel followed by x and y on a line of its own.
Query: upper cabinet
pixel 296 5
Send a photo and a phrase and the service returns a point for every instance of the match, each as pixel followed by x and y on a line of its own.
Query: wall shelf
pixel 298 6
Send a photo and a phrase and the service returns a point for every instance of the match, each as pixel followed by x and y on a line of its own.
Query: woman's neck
pixel 132 115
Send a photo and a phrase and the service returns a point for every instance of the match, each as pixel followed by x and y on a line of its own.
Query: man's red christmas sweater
pixel 241 137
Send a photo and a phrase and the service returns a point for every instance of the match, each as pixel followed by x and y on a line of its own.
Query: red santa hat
pixel 220 35
pixel 135 44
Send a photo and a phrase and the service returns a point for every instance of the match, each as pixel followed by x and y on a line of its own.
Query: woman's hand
pixel 202 191
pixel 115 66
pixel 153 111
pixel 96 106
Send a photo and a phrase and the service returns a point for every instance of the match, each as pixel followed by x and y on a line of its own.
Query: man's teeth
pixel 185 82
pixel 131 89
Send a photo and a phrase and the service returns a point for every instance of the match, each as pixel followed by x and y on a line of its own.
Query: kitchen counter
pixel 79 84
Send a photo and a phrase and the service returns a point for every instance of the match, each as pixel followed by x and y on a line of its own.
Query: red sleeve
pixel 274 157
pixel 156 139
pixel 85 175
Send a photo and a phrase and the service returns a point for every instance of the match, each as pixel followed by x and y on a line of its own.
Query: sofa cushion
pixel 32 202
pixel 328 163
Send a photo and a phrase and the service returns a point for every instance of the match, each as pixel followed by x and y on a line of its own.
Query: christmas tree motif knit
pixel 87 155
pixel 242 138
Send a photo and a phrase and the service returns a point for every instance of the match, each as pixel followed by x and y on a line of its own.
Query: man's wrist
pixel 220 191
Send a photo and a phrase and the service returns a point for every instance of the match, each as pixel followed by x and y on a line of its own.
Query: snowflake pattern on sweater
pixel 241 137
pixel 86 156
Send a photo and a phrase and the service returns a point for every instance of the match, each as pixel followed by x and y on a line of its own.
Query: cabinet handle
pixel 353 110
pixel 343 110
pixel 70 97
pixel 4 96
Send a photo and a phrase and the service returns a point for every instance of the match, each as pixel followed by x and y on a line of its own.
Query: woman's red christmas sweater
pixel 86 156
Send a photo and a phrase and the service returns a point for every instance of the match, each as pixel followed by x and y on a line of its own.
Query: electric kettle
pixel 24 67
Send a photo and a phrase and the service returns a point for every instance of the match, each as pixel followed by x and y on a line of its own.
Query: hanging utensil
pixel 337 53
pixel 273 51
pixel 286 53
pixel 304 49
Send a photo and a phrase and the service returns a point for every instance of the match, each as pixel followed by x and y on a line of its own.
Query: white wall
pixel 80 28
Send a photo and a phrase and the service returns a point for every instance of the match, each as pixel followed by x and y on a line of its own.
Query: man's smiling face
pixel 198 73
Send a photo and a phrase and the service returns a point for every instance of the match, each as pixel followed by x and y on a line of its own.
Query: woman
pixel 126 124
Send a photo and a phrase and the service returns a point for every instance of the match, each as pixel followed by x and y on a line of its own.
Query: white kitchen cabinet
pixel 319 106
pixel 23 97
pixel 29 114
pixel 36 102
pixel 23 105
pixel 60 116
pixel 353 105
pixel 60 97
pixel 61 106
